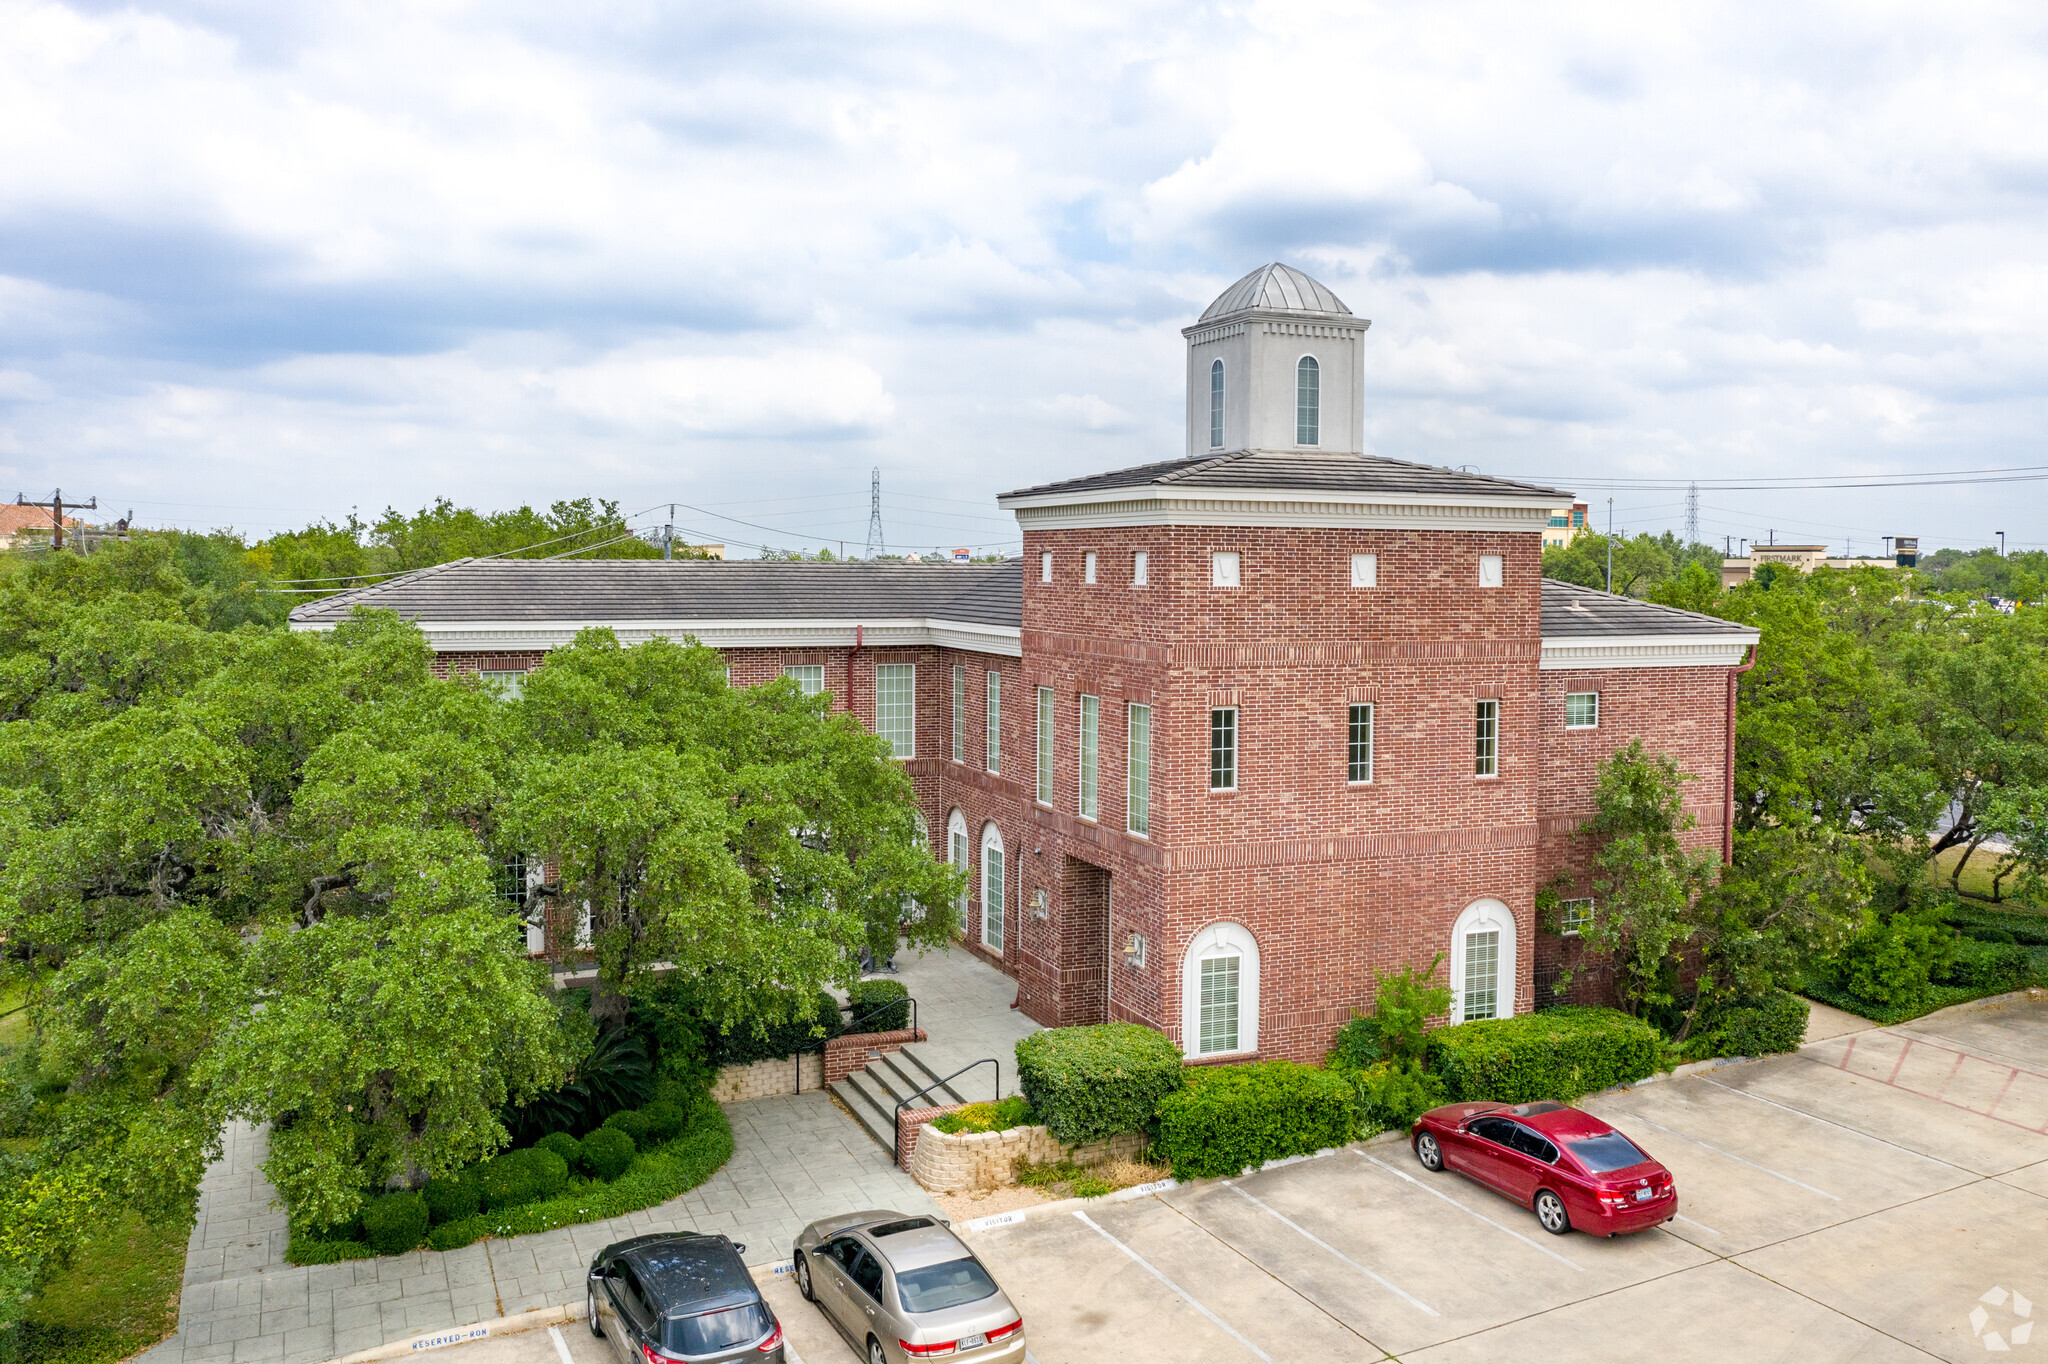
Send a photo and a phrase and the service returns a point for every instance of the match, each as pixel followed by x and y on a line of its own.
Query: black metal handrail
pixel 896 1118
pixel 846 1029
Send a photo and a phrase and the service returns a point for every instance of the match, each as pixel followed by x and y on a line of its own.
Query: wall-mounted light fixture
pixel 1134 952
pixel 1040 906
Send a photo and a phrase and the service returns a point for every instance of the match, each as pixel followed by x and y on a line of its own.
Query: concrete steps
pixel 872 1093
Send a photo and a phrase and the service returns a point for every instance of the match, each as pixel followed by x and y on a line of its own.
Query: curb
pixel 462 1335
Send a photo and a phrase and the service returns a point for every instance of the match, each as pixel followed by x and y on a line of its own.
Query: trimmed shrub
pixel 632 1122
pixel 1986 966
pixel 1096 1082
pixel 1227 1118
pixel 1557 1054
pixel 1761 1027
pixel 607 1153
pixel 1891 963
pixel 395 1223
pixel 876 995
pixel 664 1122
pixel 453 1197
pixel 562 1144
pixel 521 1177
pixel 1014 1111
pixel 1358 1044
pixel 772 1041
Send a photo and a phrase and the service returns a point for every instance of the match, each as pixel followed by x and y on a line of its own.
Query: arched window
pixel 1483 962
pixel 1308 402
pixel 1216 405
pixel 1219 992
pixel 957 854
pixel 991 889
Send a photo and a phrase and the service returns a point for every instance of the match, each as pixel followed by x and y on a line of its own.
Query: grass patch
pixel 1976 878
pixel 1065 1179
pixel 118 1296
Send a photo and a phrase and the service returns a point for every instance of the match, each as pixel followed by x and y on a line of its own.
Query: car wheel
pixel 803 1277
pixel 1429 1153
pixel 875 1355
pixel 1550 1212
pixel 590 1305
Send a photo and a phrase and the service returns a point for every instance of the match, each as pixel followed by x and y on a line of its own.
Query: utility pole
pixel 1727 546
pixel 875 549
pixel 1887 546
pixel 2001 544
pixel 1692 513
pixel 56 506
pixel 1610 544
pixel 1774 537
pixel 668 533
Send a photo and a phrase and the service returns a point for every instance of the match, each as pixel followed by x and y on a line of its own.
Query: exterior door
pixel 1491 1158
pixel 832 1281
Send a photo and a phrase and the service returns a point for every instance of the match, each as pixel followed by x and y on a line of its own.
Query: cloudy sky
pixel 263 263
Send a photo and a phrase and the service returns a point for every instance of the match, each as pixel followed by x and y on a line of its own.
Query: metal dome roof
pixel 1276 288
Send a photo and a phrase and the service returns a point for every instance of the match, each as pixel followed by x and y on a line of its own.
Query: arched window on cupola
pixel 1308 421
pixel 1216 405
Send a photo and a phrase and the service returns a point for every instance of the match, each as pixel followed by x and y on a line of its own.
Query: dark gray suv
pixel 680 1297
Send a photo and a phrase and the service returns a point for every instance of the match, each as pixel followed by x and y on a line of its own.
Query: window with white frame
pixel 1226 568
pixel 1574 917
pixel 959 713
pixel 506 686
pixel 1223 749
pixel 992 889
pixel 809 677
pixel 1220 992
pixel 995 723
pixel 1139 569
pixel 1045 568
pixel 1483 962
pixel 912 911
pixel 896 707
pixel 1308 402
pixel 959 854
pixel 1088 567
pixel 1216 405
pixel 1582 710
pixel 1365 570
pixel 1489 570
pixel 1359 768
pixel 1486 739
pixel 1138 771
pixel 1091 725
pixel 1045 745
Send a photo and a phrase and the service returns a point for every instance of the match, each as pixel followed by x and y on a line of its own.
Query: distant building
pixel 1565 526
pixel 29 527
pixel 1804 558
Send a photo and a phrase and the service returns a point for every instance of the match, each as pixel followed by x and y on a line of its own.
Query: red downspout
pixel 1728 767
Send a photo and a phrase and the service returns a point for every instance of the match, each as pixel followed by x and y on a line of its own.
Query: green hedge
pixel 876 994
pixel 773 1041
pixel 1998 966
pixel 1930 998
pixel 607 1153
pixel 1762 1027
pixel 1226 1119
pixel 1556 1054
pixel 395 1223
pixel 1096 1082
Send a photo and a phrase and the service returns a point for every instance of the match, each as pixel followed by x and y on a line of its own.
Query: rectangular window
pixel 809 677
pixel 1482 975
pixel 1365 570
pixel 1045 745
pixel 1574 917
pixel 1219 1005
pixel 1223 750
pixel 1582 710
pixel 512 881
pixel 1138 769
pixel 1045 568
pixel 992 897
pixel 1361 744
pixel 1140 567
pixel 1486 740
pixel 1489 570
pixel 896 707
pixel 505 685
pixel 1226 568
pixel 995 723
pixel 1088 567
pixel 1091 721
pixel 959 713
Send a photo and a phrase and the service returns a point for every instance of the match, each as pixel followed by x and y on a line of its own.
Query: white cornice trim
pixel 490 636
pixel 1592 653
pixel 1151 506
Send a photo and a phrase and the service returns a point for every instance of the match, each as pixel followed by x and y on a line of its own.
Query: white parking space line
pixel 1179 1292
pixel 561 1345
pixel 1417 1304
pixel 1681 1217
pixel 1831 1123
pixel 1533 1245
pixel 1637 1117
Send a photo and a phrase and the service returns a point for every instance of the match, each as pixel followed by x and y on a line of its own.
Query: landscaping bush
pixel 1557 1054
pixel 521 1177
pixel 1014 1111
pixel 1226 1118
pixel 1358 1044
pixel 1985 966
pixel 453 1197
pixel 632 1122
pixel 1389 1097
pixel 875 994
pixel 1991 925
pixel 1761 1027
pixel 770 1041
pixel 1096 1082
pixel 1891 962
pixel 395 1223
pixel 563 1145
pixel 664 1122
pixel 607 1153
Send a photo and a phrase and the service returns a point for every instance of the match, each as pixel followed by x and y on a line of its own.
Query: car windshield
pixel 937 1287
pixel 1608 1151
pixel 711 1332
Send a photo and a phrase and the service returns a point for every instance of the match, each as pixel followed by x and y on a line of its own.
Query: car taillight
pixel 1005 1332
pixel 774 1339
pixel 653 1356
pixel 929 1351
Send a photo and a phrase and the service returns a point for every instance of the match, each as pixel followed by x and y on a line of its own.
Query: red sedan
pixel 1572 1168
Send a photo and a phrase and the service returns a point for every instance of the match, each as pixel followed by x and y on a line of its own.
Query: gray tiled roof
pixel 1303 470
pixel 1276 288
pixel 688 590
pixel 1572 611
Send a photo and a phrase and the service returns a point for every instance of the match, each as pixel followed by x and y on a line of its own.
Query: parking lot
pixel 1857 1201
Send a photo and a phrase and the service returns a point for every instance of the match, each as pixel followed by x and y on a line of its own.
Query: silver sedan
pixel 903 1288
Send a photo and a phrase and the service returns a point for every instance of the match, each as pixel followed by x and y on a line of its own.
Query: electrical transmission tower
pixel 875 549
pixel 1692 513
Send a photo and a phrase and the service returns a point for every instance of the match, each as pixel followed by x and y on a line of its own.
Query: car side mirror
pixel 739 1247
pixel 599 1273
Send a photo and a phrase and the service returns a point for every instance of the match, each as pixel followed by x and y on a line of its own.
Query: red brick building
pixel 1238 730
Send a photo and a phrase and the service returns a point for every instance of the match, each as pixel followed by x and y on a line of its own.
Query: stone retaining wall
pixel 963 1161
pixel 842 1056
